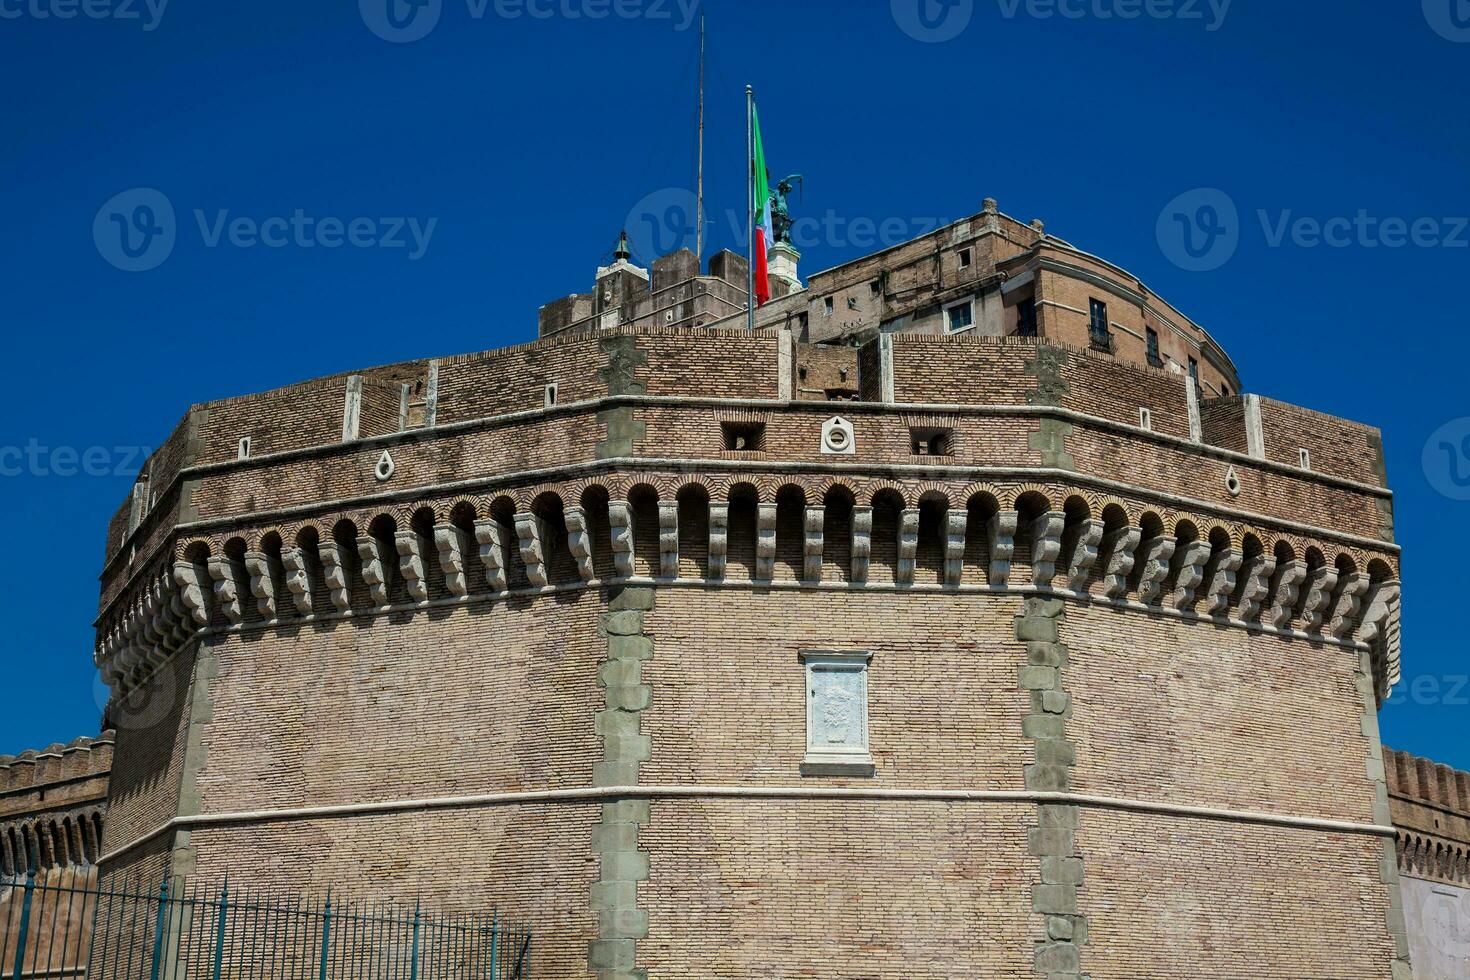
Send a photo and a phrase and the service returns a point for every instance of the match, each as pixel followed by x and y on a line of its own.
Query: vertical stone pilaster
pixel 620 376
pixel 352 409
pixel 1388 857
pixel 183 858
pixel 620 922
pixel 1053 841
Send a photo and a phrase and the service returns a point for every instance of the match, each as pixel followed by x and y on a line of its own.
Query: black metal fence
pixel 68 924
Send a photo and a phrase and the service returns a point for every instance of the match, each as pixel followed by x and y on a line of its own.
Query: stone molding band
pixel 599 794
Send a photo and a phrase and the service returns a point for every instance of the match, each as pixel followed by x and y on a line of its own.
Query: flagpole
pixel 699 194
pixel 750 205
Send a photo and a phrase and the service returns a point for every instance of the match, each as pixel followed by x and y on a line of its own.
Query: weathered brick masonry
pixel 546 626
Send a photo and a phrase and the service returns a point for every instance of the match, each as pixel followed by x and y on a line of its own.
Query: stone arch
pixel 1030 501
pixel 895 491
pixel 791 501
pixel 1039 495
pixel 501 510
pixel 693 501
pixel 838 499
pixel 643 501
pixel 549 509
pixel 982 505
pixel 593 497
pixel 929 555
pixel 888 506
pixel 744 500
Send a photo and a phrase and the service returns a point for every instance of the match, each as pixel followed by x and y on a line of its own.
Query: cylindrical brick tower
pixel 963 620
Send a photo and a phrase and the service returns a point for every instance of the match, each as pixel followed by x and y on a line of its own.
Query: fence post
pixel 494 943
pixel 159 928
pixel 219 937
pixel 413 963
pixel 326 933
pixel 25 922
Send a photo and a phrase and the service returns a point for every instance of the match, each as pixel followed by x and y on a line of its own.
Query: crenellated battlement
pixel 80 758
pixel 1431 809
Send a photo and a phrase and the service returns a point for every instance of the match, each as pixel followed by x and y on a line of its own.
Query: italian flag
pixel 765 236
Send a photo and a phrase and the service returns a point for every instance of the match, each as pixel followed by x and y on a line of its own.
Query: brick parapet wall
pixel 51 805
pixel 1430 803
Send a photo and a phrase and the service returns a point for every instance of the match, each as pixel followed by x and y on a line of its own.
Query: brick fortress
pixel 965 619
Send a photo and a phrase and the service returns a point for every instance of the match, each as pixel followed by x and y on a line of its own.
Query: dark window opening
pixel 875 287
pixel 1099 333
pixel 1026 318
pixel 1153 348
pixel 964 258
pixel 744 437
pixel 931 442
pixel 1194 370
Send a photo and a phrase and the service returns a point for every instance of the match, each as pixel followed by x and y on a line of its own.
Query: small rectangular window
pixel 1306 458
pixel 1145 418
pixel 551 393
pixel 1026 318
pixel 1099 333
pixel 836 713
pixel 244 449
pixel 1194 370
pixel 964 258
pixel 875 287
pixel 743 437
pixel 1154 357
pixel 929 441
pixel 828 306
pixel 961 317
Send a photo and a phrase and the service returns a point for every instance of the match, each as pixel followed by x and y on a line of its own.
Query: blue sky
pixel 519 136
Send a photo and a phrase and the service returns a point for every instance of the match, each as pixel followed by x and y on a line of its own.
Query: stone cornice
pixel 574 470
pixel 598 794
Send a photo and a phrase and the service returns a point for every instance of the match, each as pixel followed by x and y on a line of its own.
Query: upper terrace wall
pixel 741 366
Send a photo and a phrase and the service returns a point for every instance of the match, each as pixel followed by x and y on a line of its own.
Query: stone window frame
pixel 826 760
pixel 969 307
